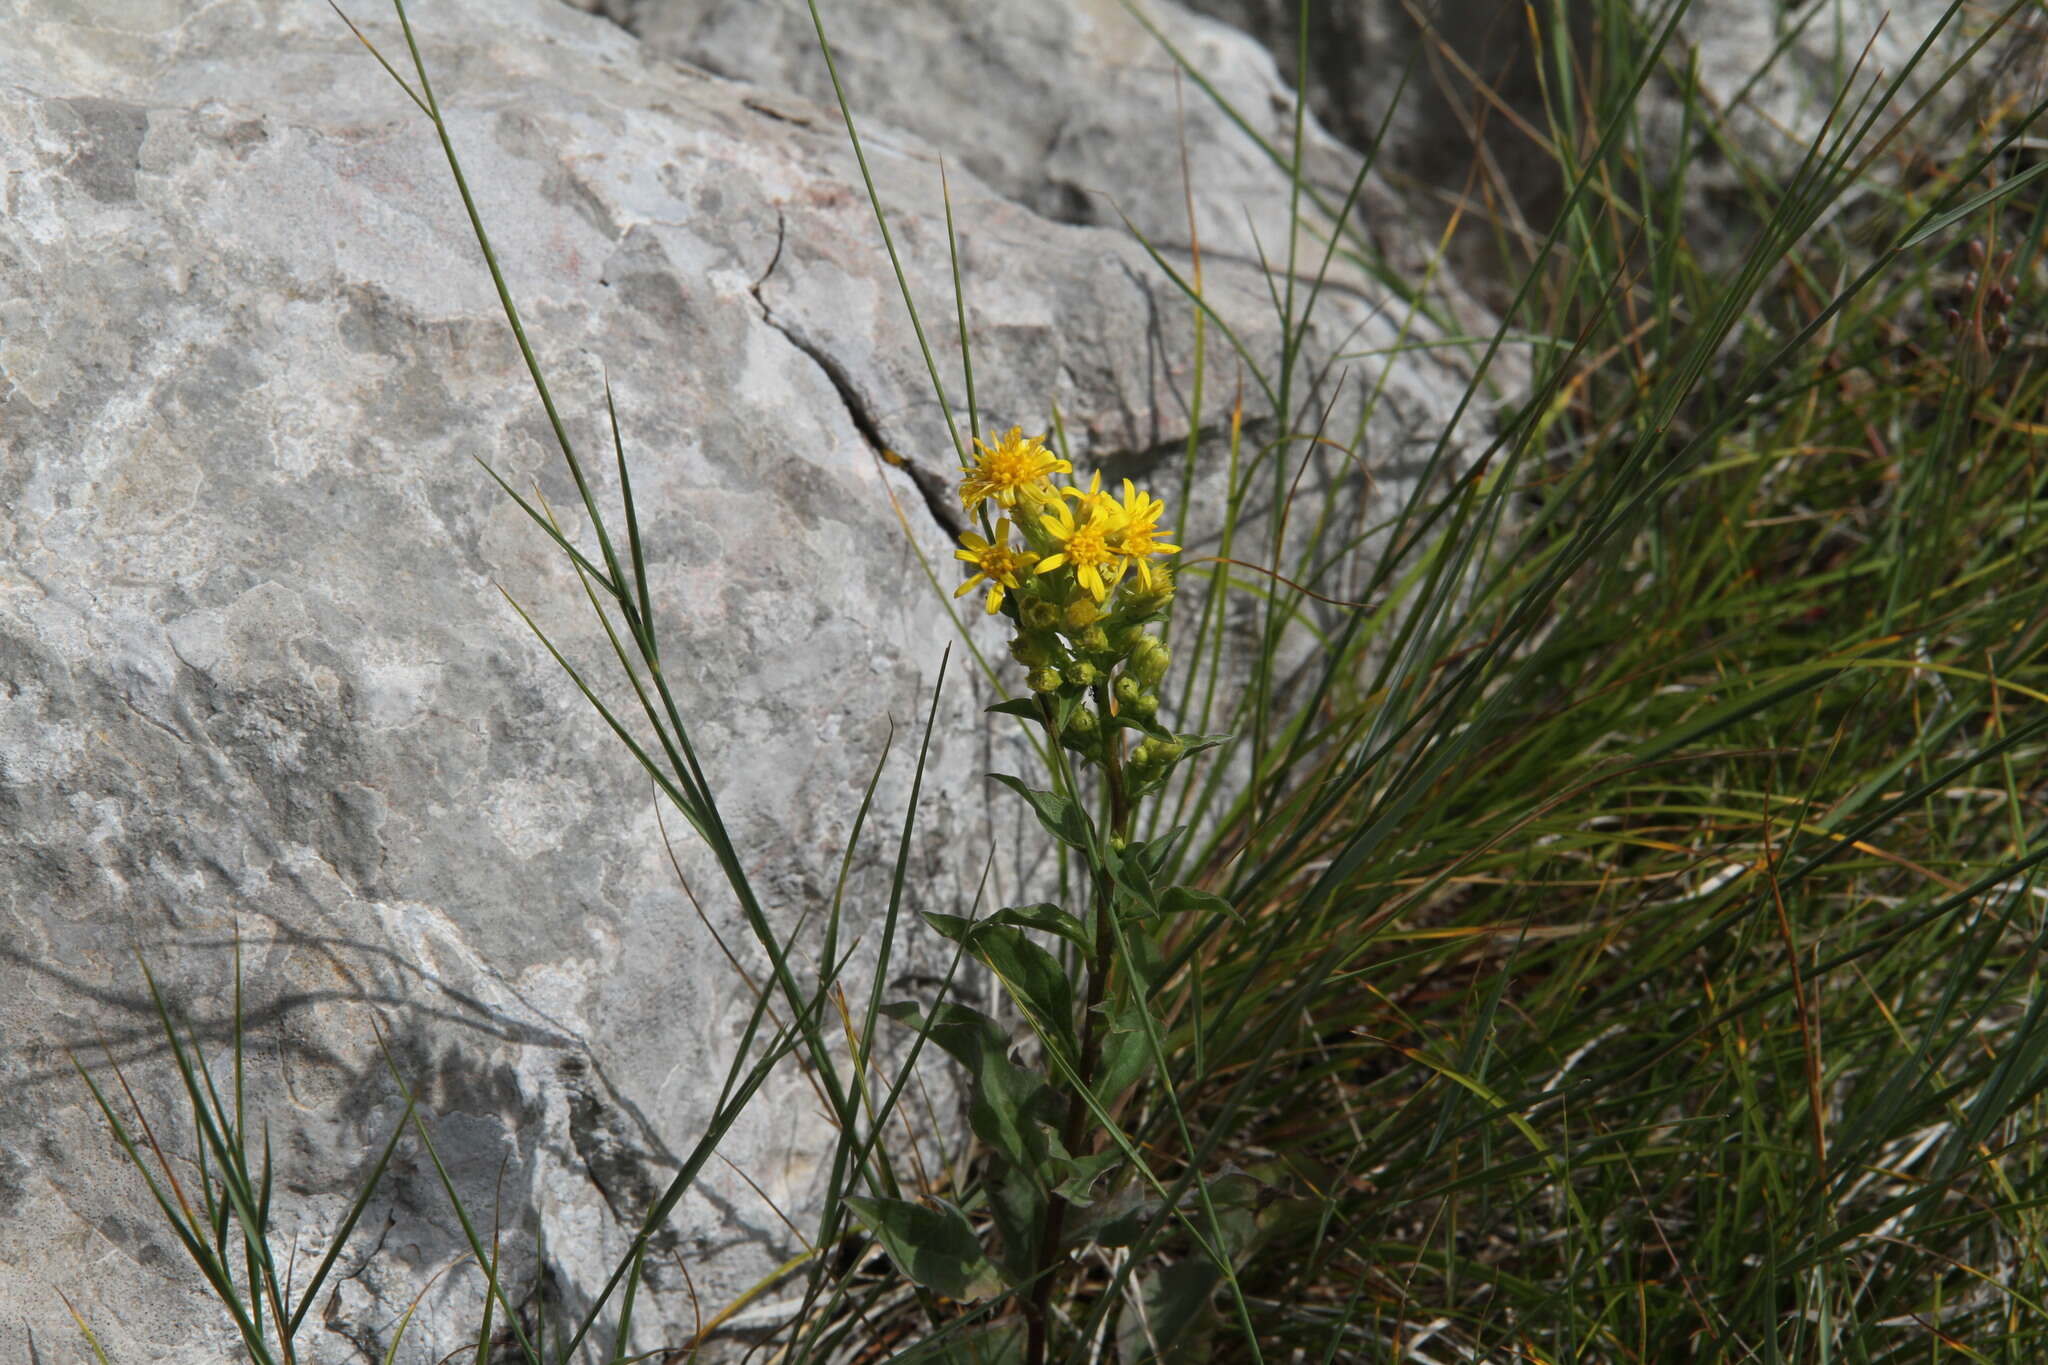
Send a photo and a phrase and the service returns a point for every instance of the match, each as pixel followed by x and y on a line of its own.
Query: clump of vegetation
pixel 1624 942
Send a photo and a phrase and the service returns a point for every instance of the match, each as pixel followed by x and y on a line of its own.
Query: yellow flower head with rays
pixel 994 562
pixel 1084 546
pixel 1093 502
pixel 1015 466
pixel 1137 530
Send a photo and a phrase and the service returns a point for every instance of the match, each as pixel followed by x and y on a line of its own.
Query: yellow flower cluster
pixel 1094 537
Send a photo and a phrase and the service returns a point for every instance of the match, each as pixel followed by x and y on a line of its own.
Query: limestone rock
pixel 1071 107
pixel 256 679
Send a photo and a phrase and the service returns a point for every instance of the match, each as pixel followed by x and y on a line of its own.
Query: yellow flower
pixel 1085 547
pixel 1016 464
pixel 1136 534
pixel 994 561
pixel 1094 501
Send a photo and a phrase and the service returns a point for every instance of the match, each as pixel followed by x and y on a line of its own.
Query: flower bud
pixel 1079 615
pixel 1095 640
pixel 1030 652
pixel 1153 598
pixel 1081 673
pixel 1150 666
pixel 1146 706
pixel 1045 680
pixel 1127 690
pixel 1083 722
pixel 1040 614
pixel 1153 755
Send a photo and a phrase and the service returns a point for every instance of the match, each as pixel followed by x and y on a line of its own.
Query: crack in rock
pixel 935 488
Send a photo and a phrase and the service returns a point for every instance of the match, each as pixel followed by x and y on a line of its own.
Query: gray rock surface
pixel 256 678
pixel 1071 107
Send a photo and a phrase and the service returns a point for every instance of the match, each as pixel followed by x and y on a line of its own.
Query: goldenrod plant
pixel 1081 588
pixel 1618 941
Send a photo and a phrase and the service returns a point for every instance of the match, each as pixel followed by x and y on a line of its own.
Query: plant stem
pixel 1100 964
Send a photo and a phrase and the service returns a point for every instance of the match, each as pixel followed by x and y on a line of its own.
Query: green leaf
pixel 1007 1106
pixel 1017 1200
pixel 1181 900
pixel 1079 1174
pixel 1194 744
pixel 1141 959
pixel 1155 852
pixel 1061 817
pixel 1125 1055
pixel 1118 1219
pixel 1025 708
pixel 1045 916
pixel 1032 976
pixel 1942 222
pixel 935 1247
pixel 955 929
pixel 1135 880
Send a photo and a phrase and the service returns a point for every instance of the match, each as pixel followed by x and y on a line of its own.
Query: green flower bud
pixel 1040 614
pixel 1095 640
pixel 1081 673
pixel 1152 755
pixel 1030 652
pixel 1146 706
pixel 1150 666
pixel 1127 691
pixel 1083 722
pixel 1045 680
pixel 1153 598
pixel 1080 614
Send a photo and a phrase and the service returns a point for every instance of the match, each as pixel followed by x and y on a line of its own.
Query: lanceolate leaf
pixel 1125 1053
pixel 1045 916
pixel 935 1247
pixel 1007 1106
pixel 1154 853
pixel 1135 880
pixel 1180 900
pixel 1194 744
pixel 1061 817
pixel 1082 1173
pixel 1032 976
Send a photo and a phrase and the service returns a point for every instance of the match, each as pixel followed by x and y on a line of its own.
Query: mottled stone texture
pixel 1079 109
pixel 257 681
